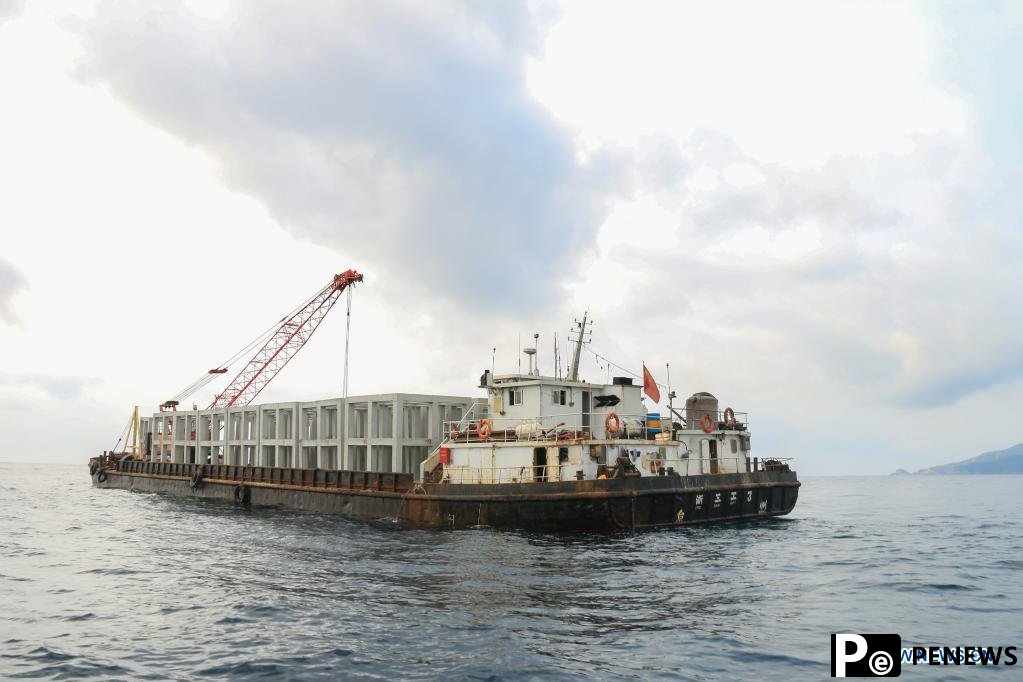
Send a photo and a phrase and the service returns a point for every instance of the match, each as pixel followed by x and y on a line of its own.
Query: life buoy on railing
pixel 484 429
pixel 612 418
pixel 730 416
pixel 707 423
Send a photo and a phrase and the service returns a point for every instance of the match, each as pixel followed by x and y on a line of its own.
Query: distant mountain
pixel 1008 461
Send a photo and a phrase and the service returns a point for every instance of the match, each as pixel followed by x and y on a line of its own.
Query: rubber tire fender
pixel 242 494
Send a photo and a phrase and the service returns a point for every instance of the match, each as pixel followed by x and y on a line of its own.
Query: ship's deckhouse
pixel 534 428
pixel 518 399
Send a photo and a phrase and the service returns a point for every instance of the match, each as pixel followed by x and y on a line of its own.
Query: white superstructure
pixel 536 428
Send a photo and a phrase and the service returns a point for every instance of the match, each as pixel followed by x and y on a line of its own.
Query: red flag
pixel 650 386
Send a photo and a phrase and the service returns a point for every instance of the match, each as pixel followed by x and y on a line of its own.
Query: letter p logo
pixel 840 654
pixel 866 655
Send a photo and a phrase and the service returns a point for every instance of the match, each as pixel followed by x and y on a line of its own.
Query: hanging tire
pixel 93 468
pixel 242 494
pixel 102 476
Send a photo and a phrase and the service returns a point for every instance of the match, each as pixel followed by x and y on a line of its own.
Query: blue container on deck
pixel 653 424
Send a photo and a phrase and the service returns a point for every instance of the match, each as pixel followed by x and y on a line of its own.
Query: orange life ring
pixel 707 423
pixel 612 417
pixel 484 429
pixel 730 416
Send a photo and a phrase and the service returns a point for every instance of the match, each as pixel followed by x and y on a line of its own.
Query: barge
pixel 552 453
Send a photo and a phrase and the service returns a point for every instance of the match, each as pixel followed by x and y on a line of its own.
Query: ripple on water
pixel 117 570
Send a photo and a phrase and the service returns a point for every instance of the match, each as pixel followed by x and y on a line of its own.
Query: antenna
pixel 520 352
pixel 580 327
pixel 557 358
pixel 536 347
pixel 671 393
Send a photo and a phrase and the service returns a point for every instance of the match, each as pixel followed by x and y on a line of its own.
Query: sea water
pixel 117 585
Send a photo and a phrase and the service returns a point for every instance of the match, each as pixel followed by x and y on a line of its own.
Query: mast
pixel 573 375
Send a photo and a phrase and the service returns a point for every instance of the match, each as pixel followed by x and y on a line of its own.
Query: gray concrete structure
pixel 391 432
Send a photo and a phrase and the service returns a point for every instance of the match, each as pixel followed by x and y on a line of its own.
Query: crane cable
pixel 348 332
pixel 624 369
pixel 207 377
pixel 124 433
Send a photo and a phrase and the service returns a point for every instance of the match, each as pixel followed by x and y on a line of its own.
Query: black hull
pixel 622 504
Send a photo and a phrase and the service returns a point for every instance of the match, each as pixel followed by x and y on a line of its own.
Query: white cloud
pixel 11 283
pixel 793 82
pixel 400 134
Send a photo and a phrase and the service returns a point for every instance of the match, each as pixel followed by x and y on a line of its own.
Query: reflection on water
pixel 115 584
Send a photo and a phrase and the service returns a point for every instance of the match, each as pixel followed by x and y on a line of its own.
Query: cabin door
pixel 539 464
pixel 713 457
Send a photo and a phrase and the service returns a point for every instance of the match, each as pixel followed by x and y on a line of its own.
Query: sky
pixel 810 210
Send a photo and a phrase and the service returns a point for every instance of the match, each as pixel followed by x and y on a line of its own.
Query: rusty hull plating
pixel 609 505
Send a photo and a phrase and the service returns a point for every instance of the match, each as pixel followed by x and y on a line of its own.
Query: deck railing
pixel 549 427
pixel 307 478
pixel 569 472
pixel 584 425
pixel 721 420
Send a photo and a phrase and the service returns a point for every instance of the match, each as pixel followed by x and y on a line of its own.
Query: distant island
pixel 1008 461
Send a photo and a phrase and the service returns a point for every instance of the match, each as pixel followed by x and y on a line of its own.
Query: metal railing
pixel 433 460
pixel 721 420
pixel 551 427
pixel 694 466
pixel 523 474
pixel 584 425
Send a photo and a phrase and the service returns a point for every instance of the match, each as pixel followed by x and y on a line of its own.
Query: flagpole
pixel 667 370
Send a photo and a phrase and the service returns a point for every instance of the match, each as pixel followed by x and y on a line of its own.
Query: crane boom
pixel 290 336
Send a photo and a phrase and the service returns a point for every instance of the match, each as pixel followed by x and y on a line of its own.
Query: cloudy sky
pixel 810 209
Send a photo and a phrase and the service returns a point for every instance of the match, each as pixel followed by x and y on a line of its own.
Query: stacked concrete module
pixel 390 432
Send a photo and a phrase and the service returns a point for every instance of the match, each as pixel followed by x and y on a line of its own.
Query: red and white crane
pixel 287 339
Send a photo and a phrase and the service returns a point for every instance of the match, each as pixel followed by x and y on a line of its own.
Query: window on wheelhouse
pixel 558 397
pixel 514 396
